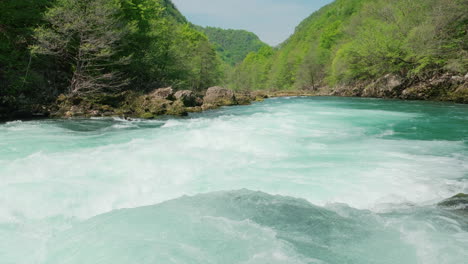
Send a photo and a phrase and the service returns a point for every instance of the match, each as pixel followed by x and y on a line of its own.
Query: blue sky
pixel 272 20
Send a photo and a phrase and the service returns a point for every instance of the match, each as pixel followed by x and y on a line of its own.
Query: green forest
pixel 233 45
pixel 88 47
pixel 352 40
pixel 50 47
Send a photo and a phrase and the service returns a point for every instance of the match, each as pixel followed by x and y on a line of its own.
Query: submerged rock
pixel 457 202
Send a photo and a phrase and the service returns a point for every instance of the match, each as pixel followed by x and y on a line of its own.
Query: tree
pixel 17 20
pixel 87 38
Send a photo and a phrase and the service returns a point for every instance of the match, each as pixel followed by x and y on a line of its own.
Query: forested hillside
pixel 418 49
pixel 354 40
pixel 233 45
pixel 49 47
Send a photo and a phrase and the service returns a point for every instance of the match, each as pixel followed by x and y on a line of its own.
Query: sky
pixel 272 20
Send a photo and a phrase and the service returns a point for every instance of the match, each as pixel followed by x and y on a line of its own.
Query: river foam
pixel 372 155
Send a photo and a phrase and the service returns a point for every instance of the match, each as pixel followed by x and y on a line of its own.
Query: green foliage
pixel 80 46
pixel 86 37
pixel 233 45
pixel 253 71
pixel 17 21
pixel 351 40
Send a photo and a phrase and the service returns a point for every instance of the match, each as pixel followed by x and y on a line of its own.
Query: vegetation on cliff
pixel 354 40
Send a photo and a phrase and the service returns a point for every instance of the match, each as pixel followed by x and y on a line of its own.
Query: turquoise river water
pixel 288 180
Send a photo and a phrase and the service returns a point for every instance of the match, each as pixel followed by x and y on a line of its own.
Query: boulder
pixel 457 202
pixel 218 96
pixel 188 98
pixel 163 93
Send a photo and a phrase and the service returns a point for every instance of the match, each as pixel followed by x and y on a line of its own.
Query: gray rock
pixel 219 96
pixel 387 86
pixel 163 93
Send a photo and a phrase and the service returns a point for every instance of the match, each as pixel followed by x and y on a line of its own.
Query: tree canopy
pixel 351 40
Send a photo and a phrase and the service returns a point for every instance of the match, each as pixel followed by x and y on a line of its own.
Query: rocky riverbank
pixel 444 87
pixel 159 102
pixel 167 101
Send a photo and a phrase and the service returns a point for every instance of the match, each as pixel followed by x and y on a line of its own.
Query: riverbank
pixel 167 101
pixel 444 87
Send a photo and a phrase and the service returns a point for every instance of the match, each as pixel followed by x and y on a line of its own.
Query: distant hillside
pixel 233 45
pixel 351 41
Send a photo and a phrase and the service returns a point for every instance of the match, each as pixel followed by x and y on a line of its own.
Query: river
pixel 287 180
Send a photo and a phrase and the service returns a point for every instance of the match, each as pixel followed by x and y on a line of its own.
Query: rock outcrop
pixel 388 86
pixel 157 103
pixel 445 87
pixel 218 96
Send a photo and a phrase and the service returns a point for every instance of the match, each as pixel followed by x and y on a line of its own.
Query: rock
pixel 113 100
pixel 147 115
pixel 195 109
pixel 163 93
pixel 188 98
pixel 94 113
pixel 387 86
pixel 177 108
pixel 199 101
pixel 458 79
pixel 218 96
pixel 61 98
pixel 457 202
pixel 460 95
pixel 74 111
pixel 259 95
pixel 244 98
pixel 419 91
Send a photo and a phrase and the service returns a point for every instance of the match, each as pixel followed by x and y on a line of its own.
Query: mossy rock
pixel 147 116
pixel 177 108
pixel 458 202
pixel 194 109
pixel 244 99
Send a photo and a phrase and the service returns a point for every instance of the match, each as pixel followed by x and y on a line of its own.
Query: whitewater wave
pixel 253 227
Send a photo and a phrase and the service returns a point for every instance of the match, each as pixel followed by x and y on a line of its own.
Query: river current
pixel 288 180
